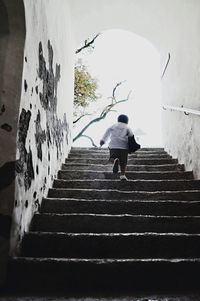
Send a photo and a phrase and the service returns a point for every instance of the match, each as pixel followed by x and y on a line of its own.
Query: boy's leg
pixel 123 168
pixel 114 159
pixel 115 163
pixel 123 164
pixel 123 171
pixel 116 166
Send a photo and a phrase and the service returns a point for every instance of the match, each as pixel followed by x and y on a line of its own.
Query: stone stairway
pixel 96 233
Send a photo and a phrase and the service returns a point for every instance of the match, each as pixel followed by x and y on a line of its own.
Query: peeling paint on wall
pixel 25 85
pixel 7 174
pixel 48 98
pixel 32 140
pixel 6 127
pixel 37 169
pixel 2 109
pixel 40 135
pixel 29 173
pixel 36 89
pixel 25 161
pixel 24 120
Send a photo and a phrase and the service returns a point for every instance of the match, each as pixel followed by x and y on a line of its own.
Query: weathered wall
pixel 172 28
pixel 35 109
pixel 181 85
pixel 12 36
pixel 45 115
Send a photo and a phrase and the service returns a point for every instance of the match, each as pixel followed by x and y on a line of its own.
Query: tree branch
pixel 109 107
pixel 91 140
pixel 114 90
pixel 103 114
pixel 88 43
pixel 86 127
pixel 80 117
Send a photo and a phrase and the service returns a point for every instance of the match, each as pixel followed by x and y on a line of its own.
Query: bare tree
pixel 80 117
pixel 103 114
pixel 88 43
pixel 91 140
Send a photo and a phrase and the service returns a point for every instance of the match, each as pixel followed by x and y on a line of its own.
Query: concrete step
pixel 131 185
pixel 97 234
pixel 102 223
pixel 100 149
pixel 90 174
pixel 111 245
pixel 112 194
pixel 130 156
pixel 92 276
pixel 132 161
pixel 130 167
pixel 106 153
pixel 142 207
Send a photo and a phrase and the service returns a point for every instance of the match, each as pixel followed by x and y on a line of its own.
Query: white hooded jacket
pixel 118 135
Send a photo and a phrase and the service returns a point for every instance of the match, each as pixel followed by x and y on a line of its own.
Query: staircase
pixel 96 233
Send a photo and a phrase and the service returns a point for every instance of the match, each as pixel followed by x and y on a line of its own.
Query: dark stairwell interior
pixel 97 234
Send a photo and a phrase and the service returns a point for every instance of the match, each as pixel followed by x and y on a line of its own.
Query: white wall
pixel 181 85
pixel 172 27
pixel 45 114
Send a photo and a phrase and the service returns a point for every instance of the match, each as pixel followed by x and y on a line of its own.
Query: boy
pixel 118 145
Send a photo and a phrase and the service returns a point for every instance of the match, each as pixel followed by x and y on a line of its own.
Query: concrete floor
pixel 147 298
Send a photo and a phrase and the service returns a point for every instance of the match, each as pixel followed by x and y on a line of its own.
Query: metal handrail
pixel 186 111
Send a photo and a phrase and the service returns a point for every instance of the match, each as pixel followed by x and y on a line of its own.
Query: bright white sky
pixel 121 55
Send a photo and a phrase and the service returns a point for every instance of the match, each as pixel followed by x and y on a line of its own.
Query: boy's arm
pixel 105 137
pixel 130 132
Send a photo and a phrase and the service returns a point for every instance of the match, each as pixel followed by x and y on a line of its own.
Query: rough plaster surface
pixel 181 87
pixel 36 87
pixel 44 134
pixel 12 35
pixel 147 298
pixel 172 28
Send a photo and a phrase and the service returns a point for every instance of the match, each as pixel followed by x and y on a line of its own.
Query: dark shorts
pixel 121 154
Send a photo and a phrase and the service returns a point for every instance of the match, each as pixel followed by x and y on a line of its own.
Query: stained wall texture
pixel 45 114
pixel 36 102
pixel 12 37
pixel 172 28
pixel 181 86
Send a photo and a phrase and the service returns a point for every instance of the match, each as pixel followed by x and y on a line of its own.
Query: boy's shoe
pixel 123 178
pixel 116 166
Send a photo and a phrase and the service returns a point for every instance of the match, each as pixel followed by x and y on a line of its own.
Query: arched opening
pixel 122 56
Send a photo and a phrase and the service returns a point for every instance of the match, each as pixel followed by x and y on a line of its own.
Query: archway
pixel 121 55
